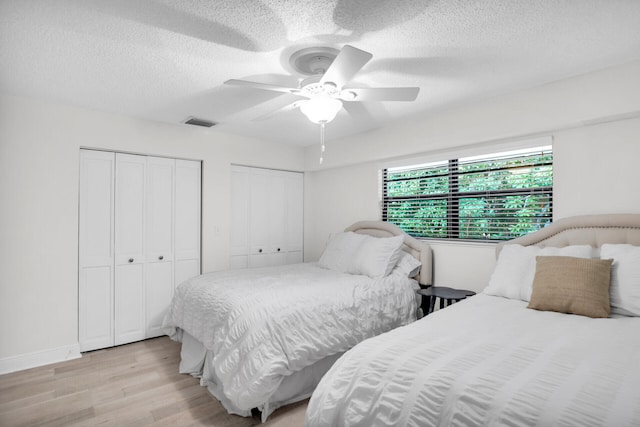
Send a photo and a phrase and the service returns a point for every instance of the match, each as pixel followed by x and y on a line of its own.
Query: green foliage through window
pixel 496 197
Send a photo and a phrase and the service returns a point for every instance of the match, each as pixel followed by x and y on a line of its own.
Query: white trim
pixel 466 151
pixel 456 242
pixel 39 358
pixel 241 167
pixel 135 153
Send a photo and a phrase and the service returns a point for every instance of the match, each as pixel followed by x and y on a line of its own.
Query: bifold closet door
pixel 277 217
pixel 96 250
pixel 158 249
pixel 240 194
pixel 259 211
pixel 266 217
pixel 129 299
pixel 294 201
pixel 139 237
pixel 188 215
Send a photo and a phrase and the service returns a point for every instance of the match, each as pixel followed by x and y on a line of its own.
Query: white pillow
pixel 407 265
pixel 624 291
pixel 516 268
pixel 340 253
pixel 377 256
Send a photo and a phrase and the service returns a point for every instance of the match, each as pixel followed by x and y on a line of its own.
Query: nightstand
pixel 447 297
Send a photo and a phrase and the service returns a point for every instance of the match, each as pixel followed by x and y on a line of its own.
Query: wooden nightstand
pixel 447 297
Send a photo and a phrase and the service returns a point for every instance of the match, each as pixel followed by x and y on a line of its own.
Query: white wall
pixel 593 120
pixel 543 110
pixel 336 198
pixel 39 146
pixel 603 160
pixel 39 169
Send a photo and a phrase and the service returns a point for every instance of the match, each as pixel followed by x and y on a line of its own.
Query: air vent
pixel 199 122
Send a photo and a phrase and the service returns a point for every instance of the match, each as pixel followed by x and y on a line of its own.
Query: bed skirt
pixel 196 360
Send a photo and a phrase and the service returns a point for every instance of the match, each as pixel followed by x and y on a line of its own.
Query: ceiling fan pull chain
pixel 322 123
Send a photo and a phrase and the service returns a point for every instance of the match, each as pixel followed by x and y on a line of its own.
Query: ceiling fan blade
pixel 284 109
pixel 348 62
pixel 358 111
pixel 263 86
pixel 382 94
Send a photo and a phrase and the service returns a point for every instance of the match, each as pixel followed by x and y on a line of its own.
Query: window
pixel 491 197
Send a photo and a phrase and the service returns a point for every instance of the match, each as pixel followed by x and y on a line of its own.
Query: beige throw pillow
pixel 572 285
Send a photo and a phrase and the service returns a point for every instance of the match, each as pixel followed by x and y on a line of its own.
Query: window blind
pixel 498 196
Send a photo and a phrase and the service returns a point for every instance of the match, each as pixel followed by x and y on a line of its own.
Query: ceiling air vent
pixel 199 122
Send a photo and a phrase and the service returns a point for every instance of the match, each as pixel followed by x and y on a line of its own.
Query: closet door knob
pixel 160 257
pixel 130 259
pixel 259 250
pixel 278 249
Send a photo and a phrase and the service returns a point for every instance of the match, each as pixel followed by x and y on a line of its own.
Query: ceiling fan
pixel 324 91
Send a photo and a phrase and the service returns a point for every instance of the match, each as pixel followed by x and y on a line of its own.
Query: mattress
pixel 488 361
pixel 263 325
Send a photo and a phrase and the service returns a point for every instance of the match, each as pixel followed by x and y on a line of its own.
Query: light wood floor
pixel 132 385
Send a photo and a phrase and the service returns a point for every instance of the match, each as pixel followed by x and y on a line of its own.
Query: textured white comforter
pixel 264 324
pixel 488 361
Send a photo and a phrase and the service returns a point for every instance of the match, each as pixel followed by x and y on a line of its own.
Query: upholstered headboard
pixel 419 250
pixel 594 230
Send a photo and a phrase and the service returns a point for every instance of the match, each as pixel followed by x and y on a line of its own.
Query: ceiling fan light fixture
pixel 330 86
pixel 321 109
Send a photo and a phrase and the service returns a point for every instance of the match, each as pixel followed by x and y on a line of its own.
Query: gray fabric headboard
pixel 593 230
pixel 419 250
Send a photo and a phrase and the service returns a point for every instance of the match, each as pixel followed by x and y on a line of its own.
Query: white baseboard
pixel 39 358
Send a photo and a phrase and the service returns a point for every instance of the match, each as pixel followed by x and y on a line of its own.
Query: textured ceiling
pixel 166 60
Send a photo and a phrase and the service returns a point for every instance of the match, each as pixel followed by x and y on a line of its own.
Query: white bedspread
pixel 488 361
pixel 265 324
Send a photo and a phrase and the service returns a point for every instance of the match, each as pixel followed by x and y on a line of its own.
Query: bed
pixel 503 357
pixel 262 338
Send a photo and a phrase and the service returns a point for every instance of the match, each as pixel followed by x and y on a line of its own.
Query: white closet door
pixel 260 189
pixel 129 248
pixel 95 281
pixel 277 218
pixel 239 230
pixel 187 219
pixel 159 242
pixel 294 201
pixel 266 217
